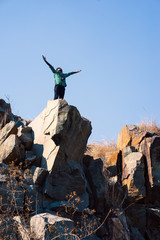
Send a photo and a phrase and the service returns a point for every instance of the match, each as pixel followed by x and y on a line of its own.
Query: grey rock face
pixel 47 226
pixel 69 179
pixel 60 137
pixel 131 172
pixel 60 134
pixel 22 229
pixel 11 150
pixel 150 147
pixel 96 181
pixel 7 130
pixel 117 230
pixel 25 135
pixel 30 158
pixel 39 176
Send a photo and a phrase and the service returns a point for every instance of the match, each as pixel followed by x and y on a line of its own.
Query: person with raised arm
pixel 60 80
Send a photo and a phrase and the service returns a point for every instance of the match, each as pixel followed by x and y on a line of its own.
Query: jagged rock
pixel 25 135
pixel 60 134
pixel 111 159
pixel 30 158
pixel 132 175
pixel 22 229
pixel 11 150
pixel 127 150
pixel 96 180
pixel 39 176
pixel 117 230
pixel 4 107
pixel 117 225
pixel 124 137
pixel 47 226
pixel 20 121
pixel 150 147
pixel 7 130
pixel 60 137
pixel 24 129
pixel 131 135
pixel 69 179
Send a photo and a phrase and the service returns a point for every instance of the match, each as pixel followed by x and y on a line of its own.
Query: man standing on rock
pixel 60 80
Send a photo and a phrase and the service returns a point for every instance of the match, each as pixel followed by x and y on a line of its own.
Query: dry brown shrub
pixel 150 126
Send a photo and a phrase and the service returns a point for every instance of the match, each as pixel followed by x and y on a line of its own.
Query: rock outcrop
pixel 138 167
pixel 50 188
pixel 60 137
pixel 47 171
pixel 60 134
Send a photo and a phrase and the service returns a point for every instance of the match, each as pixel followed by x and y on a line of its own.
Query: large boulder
pixel 7 130
pixel 132 173
pixel 60 185
pixel 11 150
pixel 93 172
pixel 25 135
pixel 131 135
pixel 23 231
pixel 60 134
pixel 39 176
pixel 60 137
pixel 148 144
pixel 47 226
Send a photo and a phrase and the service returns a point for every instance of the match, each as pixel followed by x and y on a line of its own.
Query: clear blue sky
pixel 116 43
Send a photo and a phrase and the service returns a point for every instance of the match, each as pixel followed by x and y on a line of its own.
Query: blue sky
pixel 116 44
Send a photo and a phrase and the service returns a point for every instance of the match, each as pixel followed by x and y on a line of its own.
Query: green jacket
pixel 60 78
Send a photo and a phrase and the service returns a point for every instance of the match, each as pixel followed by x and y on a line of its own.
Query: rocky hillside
pixel 50 189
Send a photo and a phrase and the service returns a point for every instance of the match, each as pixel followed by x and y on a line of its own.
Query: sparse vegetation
pixel 150 126
pixel 107 151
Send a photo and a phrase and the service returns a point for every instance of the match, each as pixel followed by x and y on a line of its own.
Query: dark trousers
pixel 59 91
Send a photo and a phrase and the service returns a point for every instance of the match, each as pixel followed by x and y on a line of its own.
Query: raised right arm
pixel 50 66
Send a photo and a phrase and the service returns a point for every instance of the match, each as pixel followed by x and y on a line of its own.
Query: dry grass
pixel 150 126
pixel 107 151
